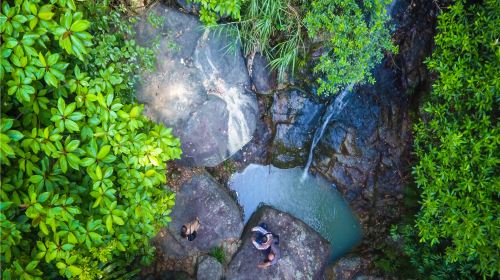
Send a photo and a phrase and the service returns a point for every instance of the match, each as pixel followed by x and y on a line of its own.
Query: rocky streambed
pixel 230 112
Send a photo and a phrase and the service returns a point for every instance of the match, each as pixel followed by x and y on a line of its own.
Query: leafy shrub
pixel 355 33
pixel 413 261
pixel 212 9
pixel 457 145
pixel 80 169
pixel 116 60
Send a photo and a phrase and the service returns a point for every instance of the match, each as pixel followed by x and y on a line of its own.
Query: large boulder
pixel 209 269
pixel 295 117
pixel 304 253
pixel 220 218
pixel 198 88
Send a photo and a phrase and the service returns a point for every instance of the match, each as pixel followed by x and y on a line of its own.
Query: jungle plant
pixel 457 143
pixel 352 34
pixel 116 60
pixel 274 28
pixel 211 10
pixel 81 171
pixel 411 260
pixel 355 35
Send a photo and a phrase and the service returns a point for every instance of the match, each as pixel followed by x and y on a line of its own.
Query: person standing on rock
pixel 189 230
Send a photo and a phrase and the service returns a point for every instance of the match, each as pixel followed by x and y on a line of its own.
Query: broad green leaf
pixel 32 265
pixel 71 125
pixel 104 151
pixel 15 135
pixel 80 25
pixel 45 12
pixel 4 205
pixel 75 270
pixel 43 197
pixel 118 220
pixel 109 224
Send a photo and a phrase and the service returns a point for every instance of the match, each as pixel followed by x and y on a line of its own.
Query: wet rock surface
pixel 258 149
pixel 304 252
pixel 198 89
pixel 364 148
pixel 295 118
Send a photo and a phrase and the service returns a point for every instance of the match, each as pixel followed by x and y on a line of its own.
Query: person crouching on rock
pixel 189 230
pixel 267 242
pixel 273 254
pixel 262 238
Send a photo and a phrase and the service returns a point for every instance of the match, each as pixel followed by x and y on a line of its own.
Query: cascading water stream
pixel 333 110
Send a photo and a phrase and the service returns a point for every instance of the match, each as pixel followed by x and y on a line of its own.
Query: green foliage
pixel 211 10
pixel 274 28
pixel 410 260
pixel 81 171
pixel 355 35
pixel 457 145
pixel 352 36
pixel 219 254
pixel 116 60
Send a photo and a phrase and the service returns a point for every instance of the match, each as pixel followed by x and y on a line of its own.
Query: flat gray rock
pixel 198 88
pixel 219 215
pixel 304 253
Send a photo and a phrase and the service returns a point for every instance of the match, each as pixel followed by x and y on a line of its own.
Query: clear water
pixel 313 200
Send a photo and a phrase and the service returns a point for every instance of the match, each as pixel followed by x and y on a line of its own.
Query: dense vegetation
pixel 81 170
pixel 352 35
pixel 457 228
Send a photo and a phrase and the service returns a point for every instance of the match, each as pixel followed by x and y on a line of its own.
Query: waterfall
pixel 333 110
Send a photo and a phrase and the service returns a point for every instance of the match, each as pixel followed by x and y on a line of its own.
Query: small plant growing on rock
pixel 211 10
pixel 219 254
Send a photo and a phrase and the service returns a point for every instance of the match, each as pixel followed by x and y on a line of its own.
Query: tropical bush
pixel 115 60
pixel 353 36
pixel 211 10
pixel 414 260
pixel 81 170
pixel 457 142
pixel 355 33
